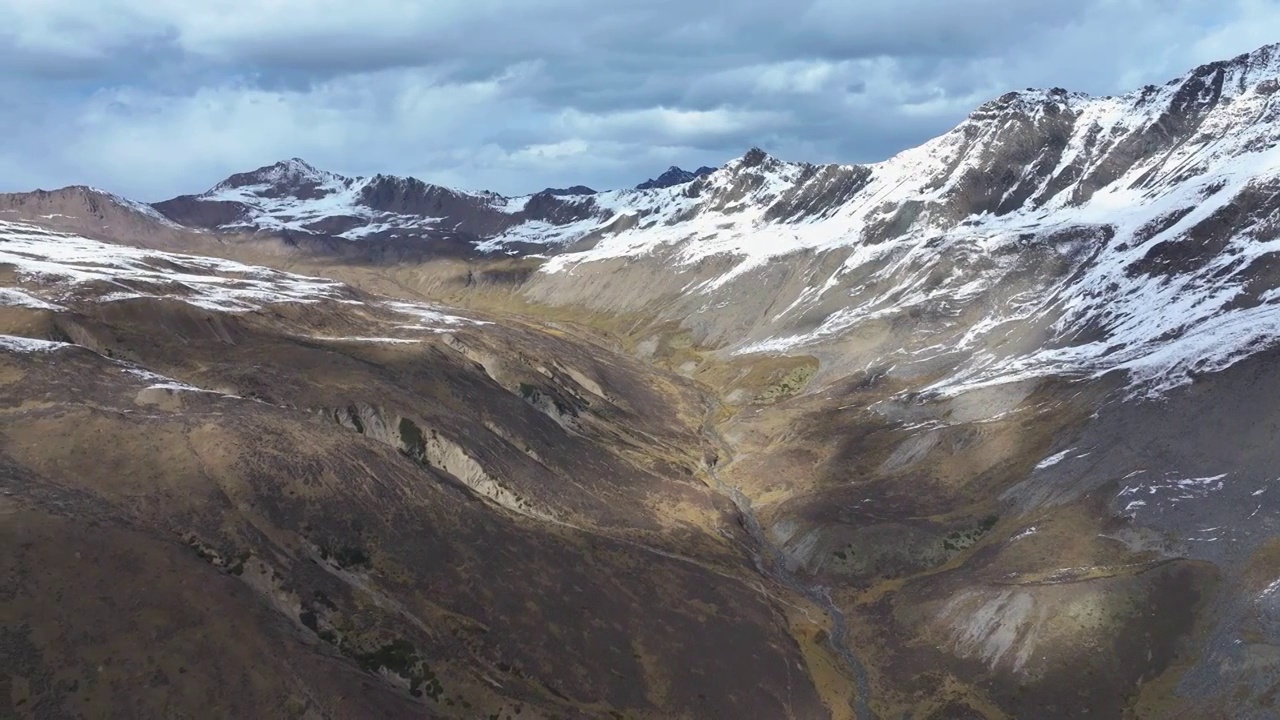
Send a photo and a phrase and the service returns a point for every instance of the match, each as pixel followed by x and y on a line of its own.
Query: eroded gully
pixel 771 562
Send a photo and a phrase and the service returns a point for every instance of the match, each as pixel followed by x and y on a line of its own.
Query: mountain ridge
pixel 1037 118
pixel 1137 181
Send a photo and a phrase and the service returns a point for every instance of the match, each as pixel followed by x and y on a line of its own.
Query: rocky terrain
pixel 984 430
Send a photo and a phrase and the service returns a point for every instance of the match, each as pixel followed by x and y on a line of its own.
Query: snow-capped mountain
pixel 294 197
pixel 1035 156
pixel 1049 232
pixel 1068 222
pixel 1073 221
pixel 1048 156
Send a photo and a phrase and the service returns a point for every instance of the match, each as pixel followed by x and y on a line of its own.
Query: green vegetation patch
pixel 792 382
pixel 231 564
pixel 345 556
pixel 401 658
pixel 960 540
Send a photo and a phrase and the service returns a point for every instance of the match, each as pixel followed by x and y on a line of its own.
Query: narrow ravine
pixel 771 562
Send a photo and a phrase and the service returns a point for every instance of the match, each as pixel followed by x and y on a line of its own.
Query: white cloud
pixel 516 96
pixel 551 152
pixel 166 139
pixel 1253 24
pixel 664 124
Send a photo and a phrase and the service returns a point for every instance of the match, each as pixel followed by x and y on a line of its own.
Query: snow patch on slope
pixel 19 344
pixel 430 317
pixel 12 297
pixel 55 268
pixel 60 265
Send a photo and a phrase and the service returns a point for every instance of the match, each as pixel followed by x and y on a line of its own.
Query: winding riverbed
pixel 771 562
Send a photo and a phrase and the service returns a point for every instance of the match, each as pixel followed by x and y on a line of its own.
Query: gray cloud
pixel 152 98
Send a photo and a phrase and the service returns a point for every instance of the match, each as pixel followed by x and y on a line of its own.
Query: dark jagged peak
pixel 754 163
pixel 408 196
pixel 674 176
pixel 574 190
pixel 472 213
pixel 1257 65
pixel 1205 86
pixel 754 158
pixel 409 186
pixel 559 209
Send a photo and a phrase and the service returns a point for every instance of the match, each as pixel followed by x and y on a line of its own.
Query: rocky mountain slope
pixel 983 430
pixel 279 483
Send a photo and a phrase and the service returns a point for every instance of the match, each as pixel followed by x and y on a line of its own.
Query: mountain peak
pixel 1239 73
pixel 296 163
pixel 573 190
pixel 674 175
pixel 1266 57
pixel 753 157
pixel 286 175
pixel 295 169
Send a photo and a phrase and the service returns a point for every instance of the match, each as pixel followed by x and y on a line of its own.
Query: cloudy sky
pixel 151 98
